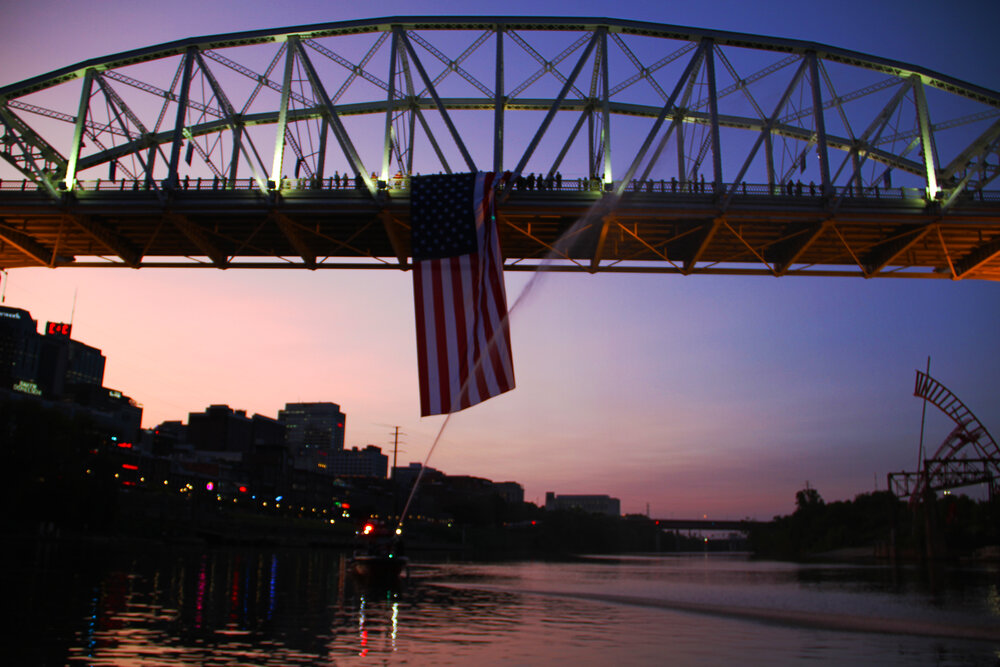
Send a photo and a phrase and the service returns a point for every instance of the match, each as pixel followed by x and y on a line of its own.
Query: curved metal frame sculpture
pixel 949 467
pixel 779 109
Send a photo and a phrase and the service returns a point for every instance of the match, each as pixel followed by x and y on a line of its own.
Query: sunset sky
pixel 697 395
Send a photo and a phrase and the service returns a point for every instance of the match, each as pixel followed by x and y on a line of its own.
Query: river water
pixel 114 604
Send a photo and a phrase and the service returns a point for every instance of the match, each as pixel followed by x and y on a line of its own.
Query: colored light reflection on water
pixel 110 605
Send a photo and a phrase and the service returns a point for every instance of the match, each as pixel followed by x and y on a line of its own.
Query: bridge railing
pixel 343 183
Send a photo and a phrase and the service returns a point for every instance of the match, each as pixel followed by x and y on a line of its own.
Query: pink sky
pixel 699 395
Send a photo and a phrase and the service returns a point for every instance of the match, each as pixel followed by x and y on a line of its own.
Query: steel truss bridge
pixel 630 147
pixel 968 456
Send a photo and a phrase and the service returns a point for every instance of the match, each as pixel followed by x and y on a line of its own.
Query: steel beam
pixel 81 118
pixel 713 106
pixel 498 105
pixel 390 100
pixel 605 109
pixel 819 122
pixel 926 138
pixel 279 135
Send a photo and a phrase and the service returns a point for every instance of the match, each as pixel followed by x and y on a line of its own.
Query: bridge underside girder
pixel 645 232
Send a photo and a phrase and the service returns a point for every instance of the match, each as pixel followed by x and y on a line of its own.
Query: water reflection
pixel 155 605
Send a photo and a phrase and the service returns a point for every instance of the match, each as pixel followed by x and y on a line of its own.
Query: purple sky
pixel 698 395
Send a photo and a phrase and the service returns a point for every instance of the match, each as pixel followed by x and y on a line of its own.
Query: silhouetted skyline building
pixel 407 475
pixel 220 428
pixel 511 492
pixel 596 504
pixel 354 462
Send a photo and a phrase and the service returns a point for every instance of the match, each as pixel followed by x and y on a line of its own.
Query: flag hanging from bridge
pixel 463 337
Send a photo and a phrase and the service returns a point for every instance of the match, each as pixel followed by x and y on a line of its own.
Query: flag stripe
pixel 425 329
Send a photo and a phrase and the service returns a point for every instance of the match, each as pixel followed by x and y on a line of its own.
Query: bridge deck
pixel 706 524
pixel 657 227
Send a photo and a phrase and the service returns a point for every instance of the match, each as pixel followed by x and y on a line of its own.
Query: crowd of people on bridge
pixel 551 182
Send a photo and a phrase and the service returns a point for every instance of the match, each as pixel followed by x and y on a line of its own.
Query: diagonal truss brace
pixel 339 131
pixel 291 232
pixel 20 133
pixel 27 244
pixel 197 235
pixel 405 41
pixel 553 110
pixel 109 238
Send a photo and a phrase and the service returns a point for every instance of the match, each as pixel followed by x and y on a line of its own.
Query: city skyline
pixel 700 395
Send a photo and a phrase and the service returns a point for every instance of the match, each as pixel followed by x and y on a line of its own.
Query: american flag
pixel 463 339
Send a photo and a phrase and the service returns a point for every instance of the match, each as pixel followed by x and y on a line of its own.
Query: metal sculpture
pixel 969 455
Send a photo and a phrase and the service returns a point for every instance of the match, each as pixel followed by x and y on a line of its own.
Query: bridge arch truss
pixel 688 151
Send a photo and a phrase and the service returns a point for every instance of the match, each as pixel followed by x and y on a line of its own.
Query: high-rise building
pixel 65 363
pixel 313 431
pixel 55 367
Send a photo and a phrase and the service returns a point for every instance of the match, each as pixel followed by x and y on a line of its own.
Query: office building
pixel 313 431
pixel 19 350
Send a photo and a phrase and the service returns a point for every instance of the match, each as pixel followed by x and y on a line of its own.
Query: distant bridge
pixel 630 147
pixel 706 524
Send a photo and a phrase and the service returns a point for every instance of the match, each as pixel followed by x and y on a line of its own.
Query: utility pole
pixel 395 487
pixel 395 450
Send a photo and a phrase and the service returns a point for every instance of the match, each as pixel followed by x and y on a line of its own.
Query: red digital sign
pixel 58 329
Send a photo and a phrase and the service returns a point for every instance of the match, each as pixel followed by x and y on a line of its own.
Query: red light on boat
pixel 129 466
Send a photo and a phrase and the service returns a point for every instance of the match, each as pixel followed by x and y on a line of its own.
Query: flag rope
pixel 597 211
